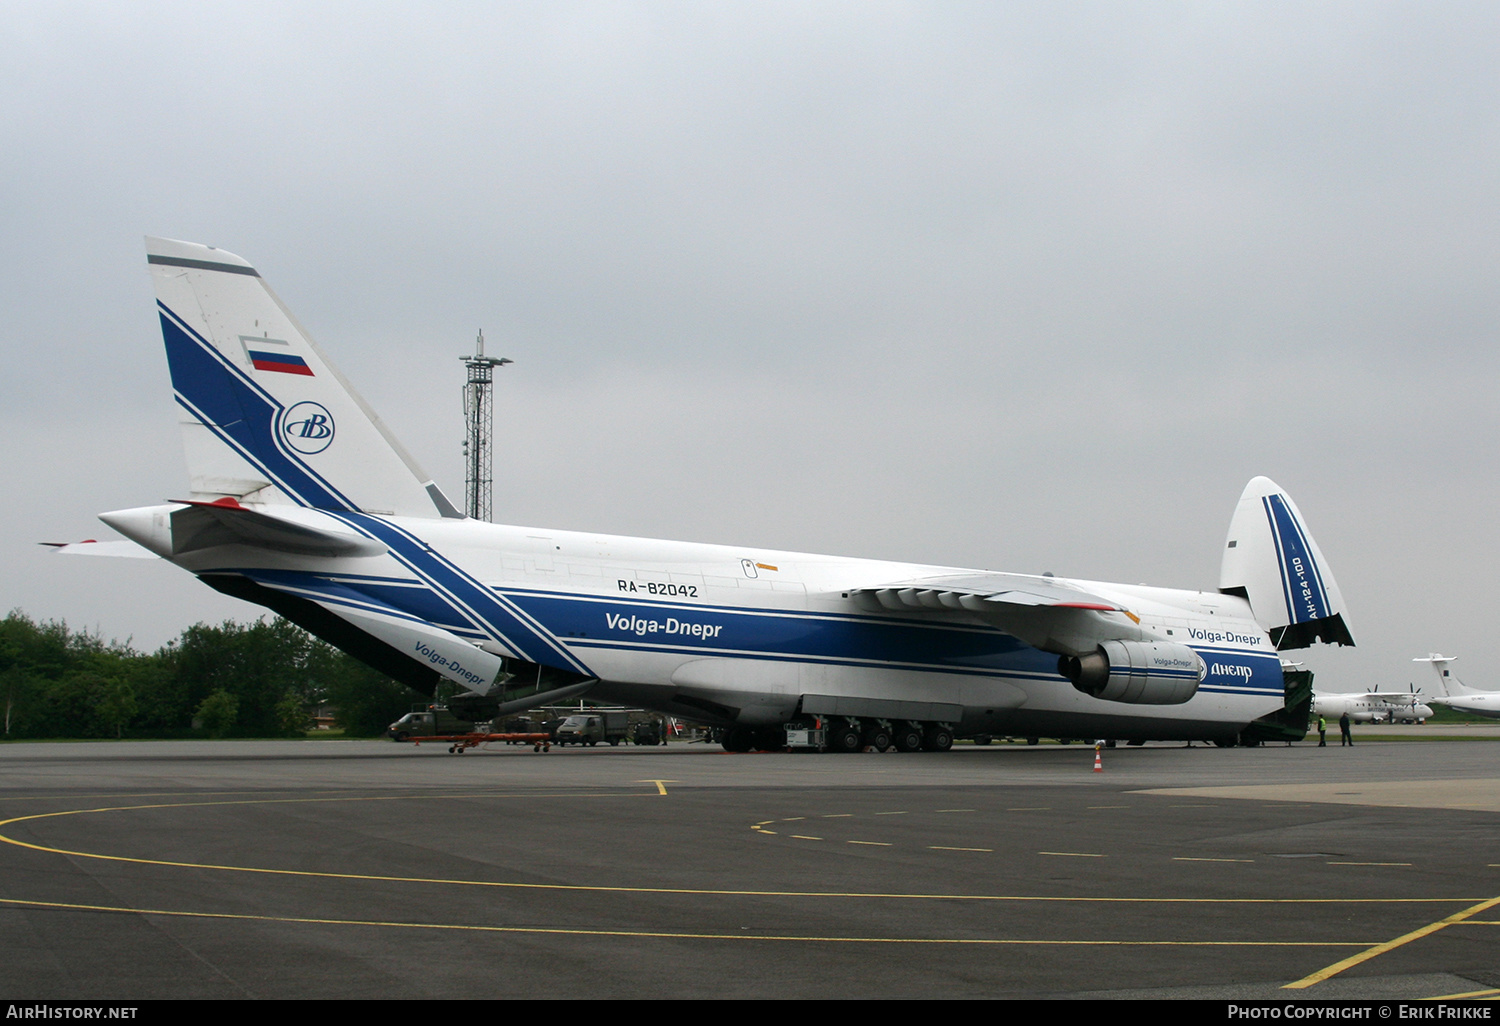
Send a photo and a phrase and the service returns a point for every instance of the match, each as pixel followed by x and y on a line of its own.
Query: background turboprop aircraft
pixel 302 501
pixel 1455 694
pixel 1372 706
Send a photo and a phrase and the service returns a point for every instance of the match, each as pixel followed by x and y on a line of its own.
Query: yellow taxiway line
pixel 617 889
pixel 674 935
pixel 1391 945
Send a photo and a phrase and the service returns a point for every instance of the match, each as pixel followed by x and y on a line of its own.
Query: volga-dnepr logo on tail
pixel 308 428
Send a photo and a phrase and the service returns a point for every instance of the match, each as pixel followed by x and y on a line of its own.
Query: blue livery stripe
pixel 1301 584
pixel 614 599
pixel 577 622
pixel 517 631
pixel 1006 671
pixel 418 600
pixel 321 589
pixel 772 633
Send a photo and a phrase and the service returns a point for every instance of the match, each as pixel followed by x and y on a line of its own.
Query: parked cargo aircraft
pixel 302 501
pixel 1456 695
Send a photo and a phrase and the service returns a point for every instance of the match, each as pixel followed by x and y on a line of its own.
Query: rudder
pixel 1272 561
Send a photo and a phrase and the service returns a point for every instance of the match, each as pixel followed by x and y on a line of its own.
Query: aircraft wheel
pixel 1033 740
pixel 908 738
pixel 877 738
pixel 770 739
pixel 737 739
pixel 937 739
pixel 844 739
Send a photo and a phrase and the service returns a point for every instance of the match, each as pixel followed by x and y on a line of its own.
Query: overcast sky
pixel 1028 287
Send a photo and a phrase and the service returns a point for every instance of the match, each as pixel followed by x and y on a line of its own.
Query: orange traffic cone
pixel 1098 758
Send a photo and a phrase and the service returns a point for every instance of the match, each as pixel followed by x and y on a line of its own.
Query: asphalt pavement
pixel 376 870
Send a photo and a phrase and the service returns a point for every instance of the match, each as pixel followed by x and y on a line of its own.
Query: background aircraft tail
pixel 265 417
pixel 1272 561
pixel 1449 686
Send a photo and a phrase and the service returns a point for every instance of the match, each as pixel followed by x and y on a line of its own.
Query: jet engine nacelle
pixel 1139 672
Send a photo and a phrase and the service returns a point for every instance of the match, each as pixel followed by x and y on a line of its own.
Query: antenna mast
pixel 479 426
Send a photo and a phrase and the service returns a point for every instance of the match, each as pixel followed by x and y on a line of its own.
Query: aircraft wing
pixel 983 592
pixel 90 547
pixel 1046 613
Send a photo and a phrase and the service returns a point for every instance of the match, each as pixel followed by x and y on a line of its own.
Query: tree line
pixel 262 679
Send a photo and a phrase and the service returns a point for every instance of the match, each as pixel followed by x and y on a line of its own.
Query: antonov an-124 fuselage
pixel 302 501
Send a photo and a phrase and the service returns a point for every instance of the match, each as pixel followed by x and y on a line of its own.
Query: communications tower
pixel 479 428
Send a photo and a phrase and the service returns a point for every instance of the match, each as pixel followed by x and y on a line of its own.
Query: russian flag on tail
pixel 284 363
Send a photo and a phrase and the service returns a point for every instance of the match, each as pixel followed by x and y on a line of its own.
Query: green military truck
pixel 429 721
pixel 589 728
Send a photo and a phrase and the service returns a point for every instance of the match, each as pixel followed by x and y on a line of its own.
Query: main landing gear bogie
pixel 848 736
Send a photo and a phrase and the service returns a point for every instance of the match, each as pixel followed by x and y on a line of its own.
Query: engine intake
pixel 1138 672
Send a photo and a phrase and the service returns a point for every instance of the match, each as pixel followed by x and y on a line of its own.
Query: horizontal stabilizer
pixel 226 522
pixel 189 526
pixel 90 547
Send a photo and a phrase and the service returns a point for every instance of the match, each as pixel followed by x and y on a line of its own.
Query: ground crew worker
pixel 1322 732
pixel 1346 739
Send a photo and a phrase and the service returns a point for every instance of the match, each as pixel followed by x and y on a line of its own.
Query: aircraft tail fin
pixel 1272 561
pixel 265 417
pixel 1449 686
